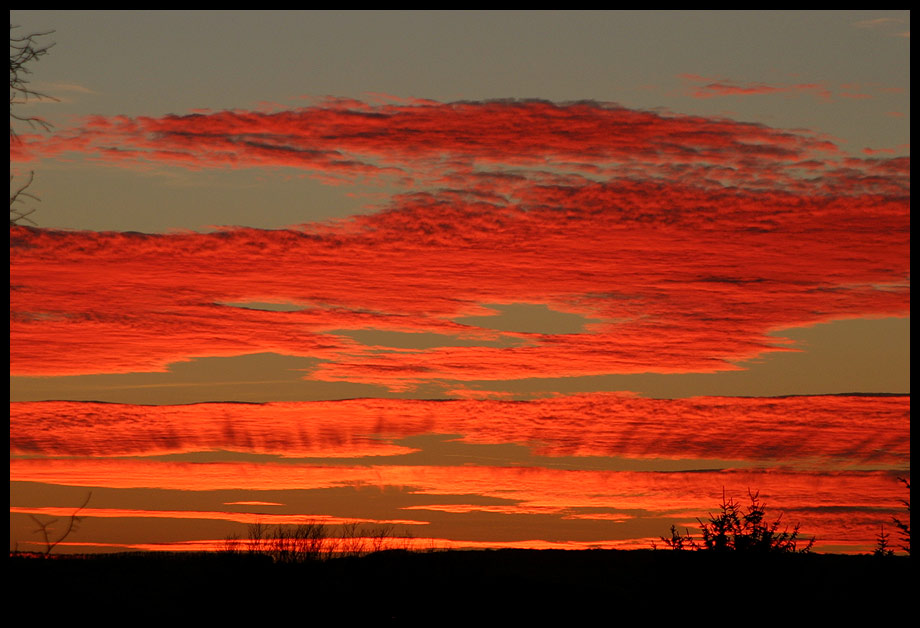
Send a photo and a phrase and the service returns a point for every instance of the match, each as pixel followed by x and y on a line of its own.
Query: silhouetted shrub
pixel 904 528
pixel 882 544
pixel 738 529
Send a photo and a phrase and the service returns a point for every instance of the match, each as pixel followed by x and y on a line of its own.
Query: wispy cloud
pixel 879 22
pixel 239 517
pixel 64 87
pixel 712 88
pixel 706 87
pixel 886 24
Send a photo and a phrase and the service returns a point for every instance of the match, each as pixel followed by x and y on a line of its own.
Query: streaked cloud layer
pixel 607 469
pixel 827 431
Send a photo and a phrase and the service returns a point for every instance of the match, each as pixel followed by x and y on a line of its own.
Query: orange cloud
pixel 238 517
pixel 838 507
pixel 533 486
pixel 414 543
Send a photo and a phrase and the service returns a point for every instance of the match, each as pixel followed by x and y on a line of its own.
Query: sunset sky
pixel 496 279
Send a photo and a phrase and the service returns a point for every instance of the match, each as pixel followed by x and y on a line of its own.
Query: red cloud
pixel 420 142
pixel 690 238
pixel 688 279
pixel 828 431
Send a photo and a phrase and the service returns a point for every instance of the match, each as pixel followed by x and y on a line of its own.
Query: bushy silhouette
pixel 883 544
pixel 904 528
pixel 739 529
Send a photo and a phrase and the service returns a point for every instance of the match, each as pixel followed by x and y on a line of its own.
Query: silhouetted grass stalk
pixel 316 541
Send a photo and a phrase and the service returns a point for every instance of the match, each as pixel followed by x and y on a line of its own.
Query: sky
pixel 495 279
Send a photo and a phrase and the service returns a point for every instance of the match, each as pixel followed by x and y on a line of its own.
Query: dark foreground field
pixel 438 587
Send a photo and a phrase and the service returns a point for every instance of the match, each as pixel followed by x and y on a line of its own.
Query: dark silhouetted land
pixel 437 587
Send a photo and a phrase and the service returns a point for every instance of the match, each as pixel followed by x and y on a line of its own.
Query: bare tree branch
pixel 24 50
pixel 45 527
pixel 18 214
